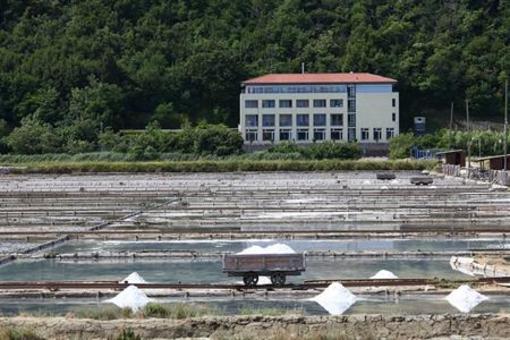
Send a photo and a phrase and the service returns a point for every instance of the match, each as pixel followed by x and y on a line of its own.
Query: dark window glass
pixel 285 134
pixel 393 117
pixel 336 103
pixel 250 104
pixel 285 120
pixel 319 103
pixel 351 120
pixel 268 103
pixel 364 134
pixel 337 120
pixel 319 119
pixel 336 134
pixel 252 120
pixel 251 135
pixel 393 102
pixel 377 134
pixel 302 120
pixel 302 134
pixel 319 134
pixel 268 135
pixel 302 103
pixel 285 103
pixel 267 120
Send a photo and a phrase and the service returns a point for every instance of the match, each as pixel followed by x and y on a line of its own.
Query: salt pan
pixel 134 277
pixel 336 299
pixel 465 299
pixel 131 297
pixel 277 248
pixel 384 274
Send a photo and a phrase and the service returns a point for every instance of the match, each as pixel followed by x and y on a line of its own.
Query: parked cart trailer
pixel 251 266
pixel 385 176
pixel 422 180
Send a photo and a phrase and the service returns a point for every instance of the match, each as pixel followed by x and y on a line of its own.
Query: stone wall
pixel 279 327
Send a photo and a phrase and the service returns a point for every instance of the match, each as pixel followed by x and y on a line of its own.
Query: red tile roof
pixel 319 78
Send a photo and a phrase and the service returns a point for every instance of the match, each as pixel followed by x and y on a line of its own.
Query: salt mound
pixel 336 299
pixel 465 298
pixel 463 265
pixel 134 277
pixel 384 274
pixel 277 248
pixel 131 297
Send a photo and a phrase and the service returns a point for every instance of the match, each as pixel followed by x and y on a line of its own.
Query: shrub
pixel 332 150
pixel 154 310
pixel 285 148
pixel 400 146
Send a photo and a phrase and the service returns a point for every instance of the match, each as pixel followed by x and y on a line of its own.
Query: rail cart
pixel 251 266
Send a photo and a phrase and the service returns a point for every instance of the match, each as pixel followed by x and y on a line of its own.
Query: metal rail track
pixel 308 284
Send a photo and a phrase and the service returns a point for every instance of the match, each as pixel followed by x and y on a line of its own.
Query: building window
pixel 268 103
pixel 351 134
pixel 251 135
pixel 336 103
pixel 337 119
pixel 393 102
pixel 390 132
pixel 351 105
pixel 285 103
pixel 365 134
pixel 267 120
pixel 337 134
pixel 302 103
pixel 302 120
pixel 351 90
pixel 377 134
pixel 252 120
pixel 319 134
pixel 268 135
pixel 351 120
pixel 393 117
pixel 319 119
pixel 319 103
pixel 285 134
pixel 285 120
pixel 302 134
pixel 251 104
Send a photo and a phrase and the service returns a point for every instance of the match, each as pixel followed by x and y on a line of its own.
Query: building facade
pixel 315 107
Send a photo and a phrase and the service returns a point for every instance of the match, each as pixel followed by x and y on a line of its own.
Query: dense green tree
pixel 124 63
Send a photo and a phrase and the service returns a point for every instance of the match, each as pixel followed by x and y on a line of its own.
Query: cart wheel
pixel 251 279
pixel 278 279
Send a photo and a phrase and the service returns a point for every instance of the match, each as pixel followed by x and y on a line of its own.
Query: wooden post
pixel 469 140
pixel 451 125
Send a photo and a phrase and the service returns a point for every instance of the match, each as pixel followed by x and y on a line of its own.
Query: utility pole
pixel 467 115
pixel 451 116
pixel 469 139
pixel 451 126
pixel 505 134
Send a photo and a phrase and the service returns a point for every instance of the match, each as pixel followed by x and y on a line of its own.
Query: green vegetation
pixel 71 69
pixel 222 166
pixel 482 142
pixel 18 334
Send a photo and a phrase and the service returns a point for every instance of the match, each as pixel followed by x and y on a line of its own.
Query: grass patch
pixel 18 334
pixel 60 167
pixel 151 310
pixel 271 311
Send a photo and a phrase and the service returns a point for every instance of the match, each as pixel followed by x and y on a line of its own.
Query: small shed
pixel 493 162
pixel 455 157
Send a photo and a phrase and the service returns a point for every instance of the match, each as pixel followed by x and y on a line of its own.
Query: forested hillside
pixel 83 65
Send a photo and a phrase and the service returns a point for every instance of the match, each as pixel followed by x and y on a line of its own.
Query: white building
pixel 308 107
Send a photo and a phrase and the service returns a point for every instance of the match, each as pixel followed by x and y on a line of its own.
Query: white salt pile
pixel 134 277
pixel 336 299
pixel 463 265
pixel 465 299
pixel 277 248
pixel 384 274
pixel 131 297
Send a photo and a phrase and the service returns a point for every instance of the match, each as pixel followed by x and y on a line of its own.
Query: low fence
pixel 493 176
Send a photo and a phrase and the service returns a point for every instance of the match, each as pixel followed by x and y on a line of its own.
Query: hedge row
pixel 224 166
